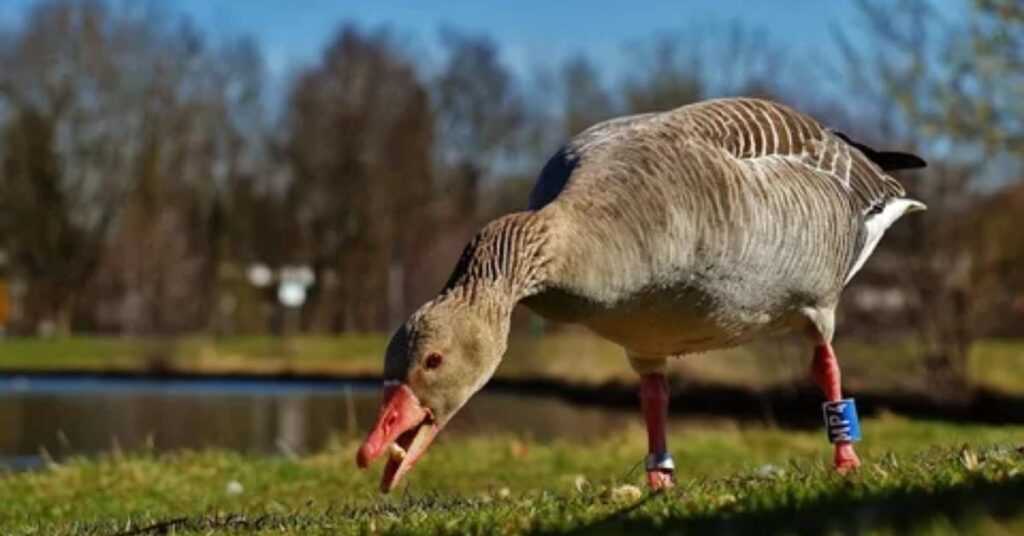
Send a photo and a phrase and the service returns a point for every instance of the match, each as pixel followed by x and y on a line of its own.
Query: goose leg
pixel 825 371
pixel 654 402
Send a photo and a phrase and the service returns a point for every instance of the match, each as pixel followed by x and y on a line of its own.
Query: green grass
pixel 998 365
pixel 921 477
pixel 349 354
pixel 87 353
pixel 878 367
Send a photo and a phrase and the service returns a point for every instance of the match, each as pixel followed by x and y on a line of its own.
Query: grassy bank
pixel 917 476
pixel 574 357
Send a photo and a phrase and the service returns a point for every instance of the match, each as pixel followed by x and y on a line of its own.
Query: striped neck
pixel 505 262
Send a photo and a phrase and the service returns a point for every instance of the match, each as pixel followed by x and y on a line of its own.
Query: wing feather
pixel 752 129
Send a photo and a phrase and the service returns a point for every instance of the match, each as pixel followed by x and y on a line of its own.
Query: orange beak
pixel 404 428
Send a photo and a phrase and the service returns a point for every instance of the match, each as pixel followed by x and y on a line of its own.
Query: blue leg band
pixel 661 461
pixel 841 420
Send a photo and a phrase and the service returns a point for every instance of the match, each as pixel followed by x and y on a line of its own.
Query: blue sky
pixel 531 33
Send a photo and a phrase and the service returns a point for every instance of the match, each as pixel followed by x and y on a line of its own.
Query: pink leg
pixel 825 371
pixel 654 401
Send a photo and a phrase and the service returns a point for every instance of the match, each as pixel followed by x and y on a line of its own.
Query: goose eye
pixel 433 361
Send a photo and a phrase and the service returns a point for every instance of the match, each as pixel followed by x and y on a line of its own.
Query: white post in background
pixel 292 290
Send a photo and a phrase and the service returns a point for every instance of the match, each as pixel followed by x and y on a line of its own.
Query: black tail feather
pixel 887 160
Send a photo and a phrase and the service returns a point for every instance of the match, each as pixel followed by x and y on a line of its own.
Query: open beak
pixel 404 429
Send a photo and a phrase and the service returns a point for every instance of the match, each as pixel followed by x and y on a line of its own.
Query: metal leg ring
pixel 661 461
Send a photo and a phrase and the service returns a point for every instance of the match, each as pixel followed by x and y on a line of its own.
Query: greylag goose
pixel 668 233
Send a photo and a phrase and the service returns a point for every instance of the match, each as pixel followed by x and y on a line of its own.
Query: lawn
pixel 881 367
pixel 922 477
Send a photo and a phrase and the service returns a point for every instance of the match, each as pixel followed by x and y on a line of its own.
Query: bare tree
pixel 981 94
pixel 666 75
pixel 123 131
pixel 480 113
pixel 586 101
pixel 359 138
pixel 924 78
pixel 67 107
pixel 710 60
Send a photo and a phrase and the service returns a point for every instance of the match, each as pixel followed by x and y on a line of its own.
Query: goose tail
pixel 887 160
pixel 876 224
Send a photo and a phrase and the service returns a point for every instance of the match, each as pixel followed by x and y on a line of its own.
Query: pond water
pixel 68 415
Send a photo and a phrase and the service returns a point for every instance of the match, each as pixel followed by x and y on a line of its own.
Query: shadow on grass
pixel 963 507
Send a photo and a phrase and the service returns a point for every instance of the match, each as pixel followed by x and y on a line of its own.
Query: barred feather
pixel 692 229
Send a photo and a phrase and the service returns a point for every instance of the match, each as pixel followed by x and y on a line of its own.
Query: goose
pixel 689 230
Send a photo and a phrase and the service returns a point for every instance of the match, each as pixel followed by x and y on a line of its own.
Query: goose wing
pixel 761 131
pixel 767 134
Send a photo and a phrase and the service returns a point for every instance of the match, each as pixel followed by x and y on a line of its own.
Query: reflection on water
pixel 65 416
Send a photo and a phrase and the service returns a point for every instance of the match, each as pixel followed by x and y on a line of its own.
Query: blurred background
pixel 222 190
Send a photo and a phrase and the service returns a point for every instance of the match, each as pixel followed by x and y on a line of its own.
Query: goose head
pixel 434 363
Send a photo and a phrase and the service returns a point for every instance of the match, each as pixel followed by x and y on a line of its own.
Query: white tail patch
pixel 876 225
